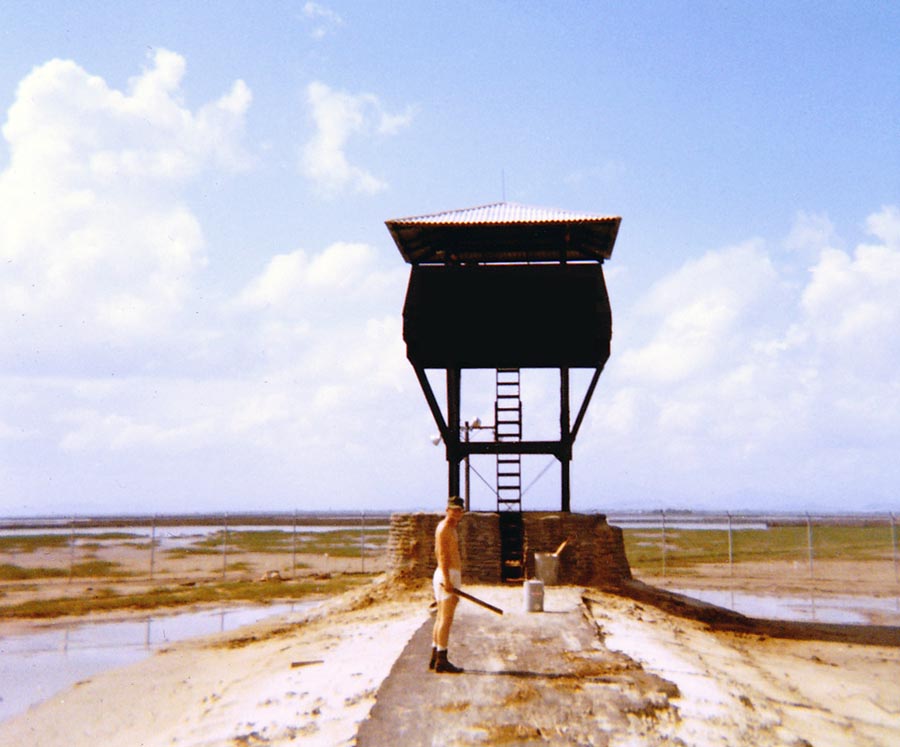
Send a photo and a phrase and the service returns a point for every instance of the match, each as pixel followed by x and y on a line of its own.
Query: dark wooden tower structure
pixel 506 287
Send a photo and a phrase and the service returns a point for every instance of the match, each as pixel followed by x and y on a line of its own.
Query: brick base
pixel 594 555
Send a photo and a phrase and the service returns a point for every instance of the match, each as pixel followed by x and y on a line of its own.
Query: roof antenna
pixel 503 184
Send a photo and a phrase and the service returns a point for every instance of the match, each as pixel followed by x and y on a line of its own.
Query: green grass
pixel 105 600
pixel 87 569
pixel 186 552
pixel 10 572
pixel 245 540
pixel 686 548
pixel 343 542
pixel 335 542
pixel 33 542
pixel 98 569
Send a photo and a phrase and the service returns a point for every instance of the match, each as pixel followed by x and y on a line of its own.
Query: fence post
pixel 664 543
pixel 72 551
pixel 225 546
pixel 730 548
pixel 894 543
pixel 809 543
pixel 152 545
pixel 294 547
pixel 362 542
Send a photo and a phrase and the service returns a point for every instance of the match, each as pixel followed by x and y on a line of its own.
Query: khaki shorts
pixel 438 582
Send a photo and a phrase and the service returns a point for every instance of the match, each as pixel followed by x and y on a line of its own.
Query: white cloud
pixel 322 18
pixel 851 305
pixel 694 313
pixel 304 284
pixel 734 379
pixel 885 225
pixel 810 232
pixel 340 117
pixel 96 244
pixel 331 316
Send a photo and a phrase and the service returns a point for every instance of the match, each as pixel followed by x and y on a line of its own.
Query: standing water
pixel 36 665
pixel 822 608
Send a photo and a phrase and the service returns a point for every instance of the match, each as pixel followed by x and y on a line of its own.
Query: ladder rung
pixel 508 428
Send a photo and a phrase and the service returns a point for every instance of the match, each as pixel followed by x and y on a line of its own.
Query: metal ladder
pixel 508 424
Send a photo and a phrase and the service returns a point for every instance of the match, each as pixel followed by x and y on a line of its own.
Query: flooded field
pixel 137 573
pixel 827 608
pixel 45 659
pixel 64 568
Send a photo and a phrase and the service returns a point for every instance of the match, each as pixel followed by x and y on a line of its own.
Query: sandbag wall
pixel 594 554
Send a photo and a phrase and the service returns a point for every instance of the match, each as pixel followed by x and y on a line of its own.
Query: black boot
pixel 443 665
pixel 434 656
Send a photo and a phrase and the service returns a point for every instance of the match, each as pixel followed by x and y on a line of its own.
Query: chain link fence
pixel 226 547
pixel 672 542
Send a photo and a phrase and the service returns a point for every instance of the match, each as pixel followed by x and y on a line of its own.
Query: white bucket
pixel 534 596
pixel 546 567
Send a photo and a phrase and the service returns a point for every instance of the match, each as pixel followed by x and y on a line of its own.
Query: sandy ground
pixel 755 689
pixel 312 681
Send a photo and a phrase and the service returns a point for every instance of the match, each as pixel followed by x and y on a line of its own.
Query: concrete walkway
pixel 531 678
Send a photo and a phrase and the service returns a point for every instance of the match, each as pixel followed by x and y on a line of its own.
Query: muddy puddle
pixel 824 608
pixel 37 664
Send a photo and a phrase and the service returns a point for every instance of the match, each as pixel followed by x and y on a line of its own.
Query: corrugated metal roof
pixel 505 232
pixel 502 212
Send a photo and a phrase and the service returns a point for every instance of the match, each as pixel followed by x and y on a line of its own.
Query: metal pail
pixel 546 567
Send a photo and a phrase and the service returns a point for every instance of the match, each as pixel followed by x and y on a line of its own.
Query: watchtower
pixel 506 287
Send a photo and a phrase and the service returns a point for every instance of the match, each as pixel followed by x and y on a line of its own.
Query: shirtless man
pixel 447 575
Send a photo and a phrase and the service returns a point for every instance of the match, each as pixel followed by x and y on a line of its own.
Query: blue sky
pixel 200 304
